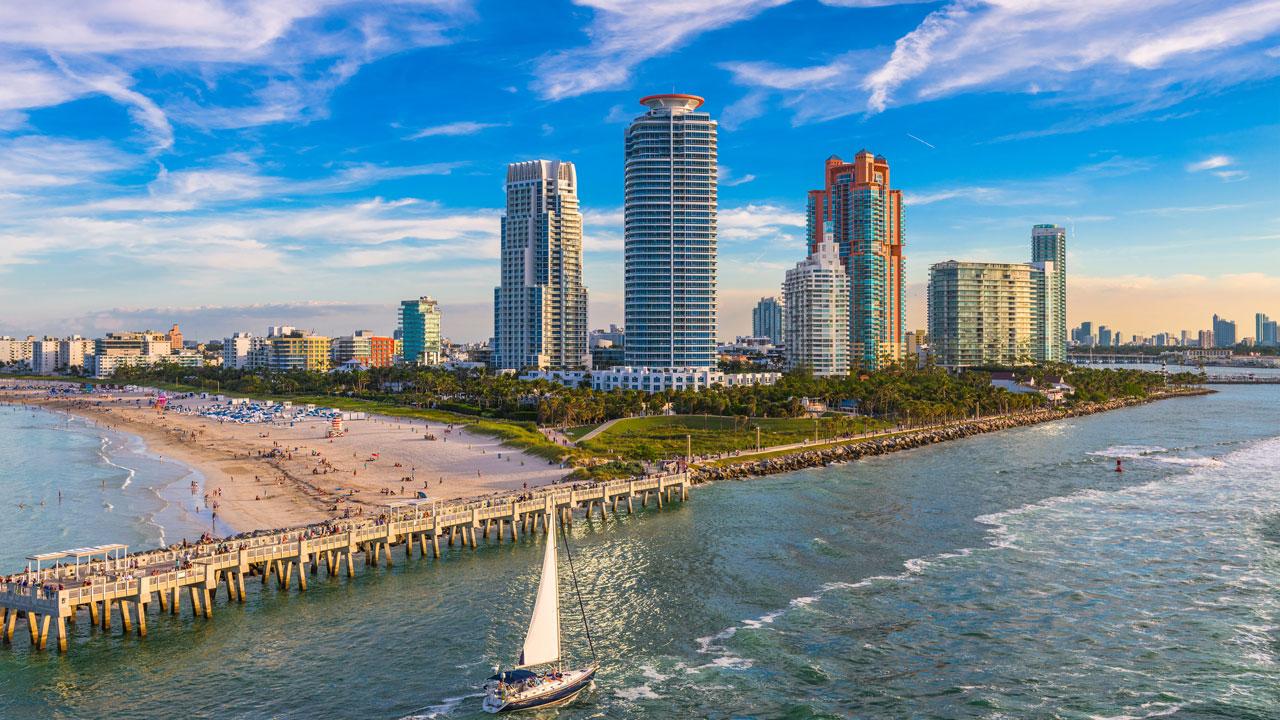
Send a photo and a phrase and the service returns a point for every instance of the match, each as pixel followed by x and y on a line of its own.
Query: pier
pixel 105 580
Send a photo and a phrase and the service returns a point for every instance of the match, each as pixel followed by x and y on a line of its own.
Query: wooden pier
pixel 128 585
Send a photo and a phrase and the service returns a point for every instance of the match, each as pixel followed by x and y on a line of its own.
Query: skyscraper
pixel 540 309
pixel 420 328
pixel 1104 336
pixel 670 235
pixel 986 313
pixel 816 292
pixel 1224 332
pixel 1264 330
pixel 1049 244
pixel 862 216
pixel 766 320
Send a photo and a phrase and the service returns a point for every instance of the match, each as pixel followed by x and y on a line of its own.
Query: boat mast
pixel 581 607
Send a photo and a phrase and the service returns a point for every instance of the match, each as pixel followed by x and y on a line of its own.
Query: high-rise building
pixel 16 350
pixel 175 338
pixel 670 235
pixel 540 309
pixel 420 329
pixel 1224 332
pixel 1083 335
pixel 1265 330
pixel 766 320
pixel 816 293
pixel 859 212
pixel 987 313
pixel 1205 339
pixel 1104 336
pixel 75 352
pixel 237 349
pixel 1049 244
pixel 44 356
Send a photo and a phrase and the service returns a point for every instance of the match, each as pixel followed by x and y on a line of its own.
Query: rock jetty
pixel 855 449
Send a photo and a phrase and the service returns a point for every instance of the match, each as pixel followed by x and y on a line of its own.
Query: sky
pixel 231 164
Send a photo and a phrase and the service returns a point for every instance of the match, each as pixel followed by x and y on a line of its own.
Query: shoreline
pixel 264 476
pixel 846 451
pixel 114 443
pixel 232 469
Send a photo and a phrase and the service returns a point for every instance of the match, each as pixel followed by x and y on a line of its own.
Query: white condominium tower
pixel 816 295
pixel 1049 245
pixel 540 309
pixel 670 235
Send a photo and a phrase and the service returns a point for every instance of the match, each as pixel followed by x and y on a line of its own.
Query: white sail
pixel 542 642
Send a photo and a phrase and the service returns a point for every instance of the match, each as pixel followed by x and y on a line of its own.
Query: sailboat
pixel 524 688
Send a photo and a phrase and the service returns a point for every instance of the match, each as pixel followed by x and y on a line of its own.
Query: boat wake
pixel 443 709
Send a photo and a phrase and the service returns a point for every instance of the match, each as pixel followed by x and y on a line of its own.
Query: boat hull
pixel 553 695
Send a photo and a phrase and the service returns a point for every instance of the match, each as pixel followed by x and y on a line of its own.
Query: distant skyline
pixel 241 165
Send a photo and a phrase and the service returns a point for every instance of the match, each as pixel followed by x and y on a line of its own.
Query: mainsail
pixel 542 642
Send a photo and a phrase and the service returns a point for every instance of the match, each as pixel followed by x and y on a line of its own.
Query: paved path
pixel 599 430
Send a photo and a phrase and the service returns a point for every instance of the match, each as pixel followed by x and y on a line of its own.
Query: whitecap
pixel 640 692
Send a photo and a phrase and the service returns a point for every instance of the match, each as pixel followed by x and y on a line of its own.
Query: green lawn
pixel 576 432
pixel 656 438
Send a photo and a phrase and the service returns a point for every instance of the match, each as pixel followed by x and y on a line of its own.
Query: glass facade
pixel 540 309
pixel 670 235
pixel 766 320
pixel 983 313
pixel 420 331
pixel 1049 245
pixel 859 212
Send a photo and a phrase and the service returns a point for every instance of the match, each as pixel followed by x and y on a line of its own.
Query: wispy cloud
pixel 293 53
pixel 624 34
pixel 1219 164
pixel 453 129
pixel 236 178
pixel 1146 55
pixel 1209 163
pixel 727 178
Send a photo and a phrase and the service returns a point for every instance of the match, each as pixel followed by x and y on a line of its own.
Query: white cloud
pixel 461 127
pixel 30 162
pixel 726 177
pixel 760 223
pixel 1209 163
pixel 236 178
pixel 256 242
pixel 294 53
pixel 1145 56
pixel 625 33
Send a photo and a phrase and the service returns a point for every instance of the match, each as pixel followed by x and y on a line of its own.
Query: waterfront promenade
pixel 104 581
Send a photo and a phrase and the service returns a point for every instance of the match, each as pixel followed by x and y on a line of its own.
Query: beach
pixel 271 475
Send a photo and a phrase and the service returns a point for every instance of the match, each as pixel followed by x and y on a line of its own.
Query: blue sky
pixel 229 165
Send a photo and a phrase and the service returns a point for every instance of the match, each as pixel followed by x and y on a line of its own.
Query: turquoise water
pixel 1012 575
pixel 112 489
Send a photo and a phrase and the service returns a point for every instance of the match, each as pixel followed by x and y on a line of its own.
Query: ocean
pixel 1008 575
pixel 68 483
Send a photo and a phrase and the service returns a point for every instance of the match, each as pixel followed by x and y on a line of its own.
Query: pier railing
pixel 57 593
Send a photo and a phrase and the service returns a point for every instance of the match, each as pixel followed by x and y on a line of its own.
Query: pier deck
pixel 50 598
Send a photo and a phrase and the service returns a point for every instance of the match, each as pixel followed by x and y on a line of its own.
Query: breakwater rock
pixel 854 449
